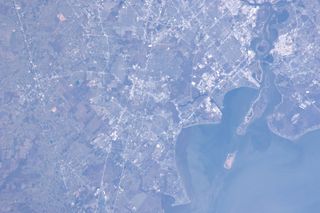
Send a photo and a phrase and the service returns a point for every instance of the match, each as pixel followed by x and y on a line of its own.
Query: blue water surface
pixel 270 174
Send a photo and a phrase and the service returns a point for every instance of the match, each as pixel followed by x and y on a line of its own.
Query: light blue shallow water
pixel 270 174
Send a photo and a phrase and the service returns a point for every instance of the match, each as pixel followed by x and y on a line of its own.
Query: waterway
pixel 270 173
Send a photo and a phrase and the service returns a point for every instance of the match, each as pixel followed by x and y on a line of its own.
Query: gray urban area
pixel 94 96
